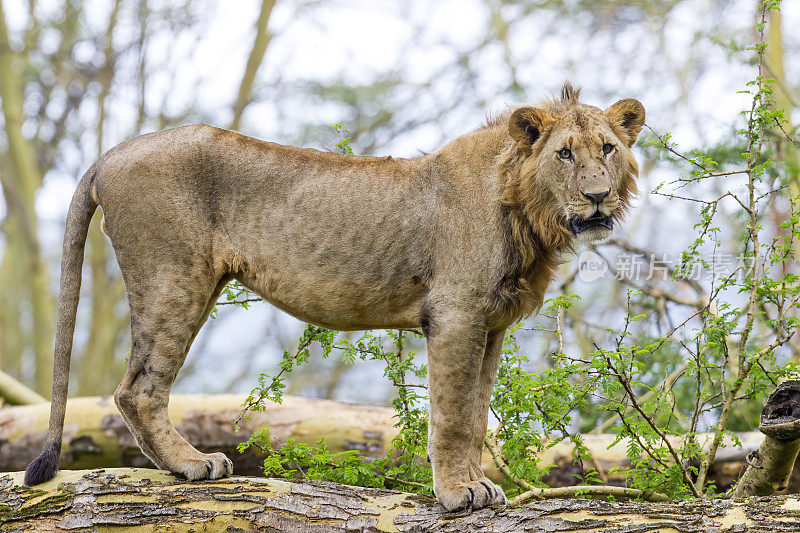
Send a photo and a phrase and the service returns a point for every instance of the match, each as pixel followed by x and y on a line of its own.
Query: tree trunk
pixel 783 97
pixel 786 149
pixel 11 337
pixel 99 362
pixel 19 188
pixel 770 468
pixel 150 499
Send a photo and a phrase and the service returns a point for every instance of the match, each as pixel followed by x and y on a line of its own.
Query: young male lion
pixel 461 242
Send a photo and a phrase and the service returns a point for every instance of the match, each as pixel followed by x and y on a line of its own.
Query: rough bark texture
pixel 148 500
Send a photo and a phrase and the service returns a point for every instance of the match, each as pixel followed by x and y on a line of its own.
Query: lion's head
pixel 570 166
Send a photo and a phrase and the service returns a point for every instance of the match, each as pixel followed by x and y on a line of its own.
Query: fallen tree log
pixel 147 500
pixel 95 436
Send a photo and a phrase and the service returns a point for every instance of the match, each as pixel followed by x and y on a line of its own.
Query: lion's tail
pixel 81 209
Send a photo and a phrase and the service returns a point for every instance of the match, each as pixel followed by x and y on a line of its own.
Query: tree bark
pixel 143 499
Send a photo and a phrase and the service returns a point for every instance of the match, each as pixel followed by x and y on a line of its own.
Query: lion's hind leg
pixel 167 310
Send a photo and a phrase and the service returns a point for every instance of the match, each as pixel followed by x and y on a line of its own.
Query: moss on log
pixel 138 500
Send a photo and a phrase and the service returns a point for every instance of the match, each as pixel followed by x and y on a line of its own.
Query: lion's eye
pixel 564 153
pixel 607 148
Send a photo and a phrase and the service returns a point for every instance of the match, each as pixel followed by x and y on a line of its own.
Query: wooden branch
pixel 16 393
pixel 260 43
pixel 579 491
pixel 142 499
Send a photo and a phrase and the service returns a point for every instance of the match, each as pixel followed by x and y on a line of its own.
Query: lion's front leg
pixel 456 347
pixel 491 360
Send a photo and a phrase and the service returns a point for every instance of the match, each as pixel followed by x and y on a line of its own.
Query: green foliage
pixel 298 460
pixel 344 141
pixel 237 295
pixel 403 465
pixel 270 389
pixel 534 410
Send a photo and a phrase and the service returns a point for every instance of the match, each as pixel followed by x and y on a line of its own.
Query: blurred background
pixel 78 77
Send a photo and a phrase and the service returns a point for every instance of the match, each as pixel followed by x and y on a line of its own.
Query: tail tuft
pixel 44 467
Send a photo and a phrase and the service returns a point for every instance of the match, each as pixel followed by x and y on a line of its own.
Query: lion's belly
pixel 341 276
pixel 330 299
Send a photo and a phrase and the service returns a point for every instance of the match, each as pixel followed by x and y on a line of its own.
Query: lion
pixel 461 243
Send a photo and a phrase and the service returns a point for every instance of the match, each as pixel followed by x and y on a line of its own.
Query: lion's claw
pixel 490 488
pixel 471 494
pixel 205 466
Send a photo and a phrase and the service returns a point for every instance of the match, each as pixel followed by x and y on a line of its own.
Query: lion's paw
pixel 470 494
pixel 205 466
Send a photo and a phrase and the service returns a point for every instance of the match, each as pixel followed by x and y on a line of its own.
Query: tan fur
pixel 461 242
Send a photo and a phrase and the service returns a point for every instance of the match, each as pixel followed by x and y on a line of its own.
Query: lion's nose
pixel 596 197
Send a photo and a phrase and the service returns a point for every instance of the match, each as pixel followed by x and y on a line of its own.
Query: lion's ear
pixel 627 116
pixel 526 126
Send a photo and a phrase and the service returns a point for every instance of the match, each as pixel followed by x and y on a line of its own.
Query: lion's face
pixel 580 157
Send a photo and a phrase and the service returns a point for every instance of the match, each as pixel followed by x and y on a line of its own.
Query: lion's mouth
pixel 598 220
